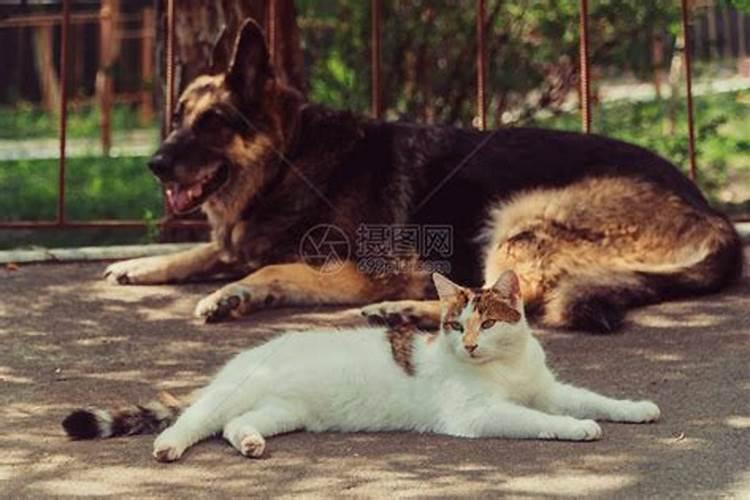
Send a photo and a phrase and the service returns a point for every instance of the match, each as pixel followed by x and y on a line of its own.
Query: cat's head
pixel 484 324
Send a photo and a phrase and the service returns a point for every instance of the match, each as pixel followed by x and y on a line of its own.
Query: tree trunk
pixel 45 68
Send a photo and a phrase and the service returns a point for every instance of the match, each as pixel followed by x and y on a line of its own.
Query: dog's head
pixel 228 128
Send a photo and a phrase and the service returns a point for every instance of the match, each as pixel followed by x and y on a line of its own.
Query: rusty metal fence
pixel 272 22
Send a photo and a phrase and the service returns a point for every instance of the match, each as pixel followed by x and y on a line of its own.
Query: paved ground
pixel 70 339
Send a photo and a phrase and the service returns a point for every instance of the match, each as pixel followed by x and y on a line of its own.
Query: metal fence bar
pixel 481 65
pixel 63 110
pixel 169 98
pixel 38 20
pixel 271 30
pixel 689 87
pixel 375 58
pixel 584 66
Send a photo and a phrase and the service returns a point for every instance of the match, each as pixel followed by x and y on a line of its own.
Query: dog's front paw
pixel 143 271
pixel 399 312
pixel 223 303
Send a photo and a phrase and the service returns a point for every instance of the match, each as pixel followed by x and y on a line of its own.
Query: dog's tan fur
pixel 299 284
pixel 203 259
pixel 596 227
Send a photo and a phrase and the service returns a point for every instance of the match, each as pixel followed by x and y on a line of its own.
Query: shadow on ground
pixel 70 339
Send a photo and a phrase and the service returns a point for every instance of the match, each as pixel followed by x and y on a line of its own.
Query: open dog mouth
pixel 184 198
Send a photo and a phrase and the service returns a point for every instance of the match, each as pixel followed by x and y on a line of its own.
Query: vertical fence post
pixel 688 86
pixel 169 91
pixel 481 65
pixel 584 66
pixel 271 30
pixel 742 35
pixel 148 31
pixel 375 56
pixel 104 86
pixel 64 34
pixel 169 98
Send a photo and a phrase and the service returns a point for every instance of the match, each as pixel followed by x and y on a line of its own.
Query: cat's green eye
pixel 455 325
pixel 489 323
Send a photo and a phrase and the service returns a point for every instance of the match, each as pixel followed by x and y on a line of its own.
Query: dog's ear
pixel 222 52
pixel 250 67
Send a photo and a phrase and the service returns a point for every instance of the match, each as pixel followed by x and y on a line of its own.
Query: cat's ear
pixel 508 286
pixel 446 289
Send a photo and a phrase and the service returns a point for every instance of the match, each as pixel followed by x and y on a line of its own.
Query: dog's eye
pixel 209 121
pixel 489 323
pixel 212 130
pixel 455 325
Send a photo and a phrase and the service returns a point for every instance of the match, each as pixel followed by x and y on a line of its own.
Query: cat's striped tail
pixel 150 418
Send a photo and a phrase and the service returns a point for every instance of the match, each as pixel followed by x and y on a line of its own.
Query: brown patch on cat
pixel 490 305
pixel 401 339
pixel 486 304
pixel 456 306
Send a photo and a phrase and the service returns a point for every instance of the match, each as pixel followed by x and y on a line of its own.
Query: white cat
pixel 482 375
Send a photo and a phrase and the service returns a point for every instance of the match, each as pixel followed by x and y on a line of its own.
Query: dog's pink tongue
pixel 178 199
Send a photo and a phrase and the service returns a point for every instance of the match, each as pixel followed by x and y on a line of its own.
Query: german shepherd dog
pixel 592 225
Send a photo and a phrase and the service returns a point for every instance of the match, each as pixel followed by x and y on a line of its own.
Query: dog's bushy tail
pixel 150 418
pixel 596 299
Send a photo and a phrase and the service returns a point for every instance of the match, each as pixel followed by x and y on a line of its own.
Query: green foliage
pixel 722 134
pixel 742 5
pixel 428 52
pixel 96 188
pixel 26 121
pixel 152 227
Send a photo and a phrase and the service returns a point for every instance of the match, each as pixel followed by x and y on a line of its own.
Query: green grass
pixel 25 121
pixel 96 188
pixel 722 137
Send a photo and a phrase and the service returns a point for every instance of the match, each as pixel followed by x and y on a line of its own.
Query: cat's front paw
pixel 168 446
pixel 574 430
pixel 639 412
pixel 253 446
pixel 246 440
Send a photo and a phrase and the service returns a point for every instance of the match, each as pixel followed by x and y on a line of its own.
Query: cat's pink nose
pixel 470 348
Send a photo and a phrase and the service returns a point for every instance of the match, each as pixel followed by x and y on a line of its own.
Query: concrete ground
pixel 70 339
